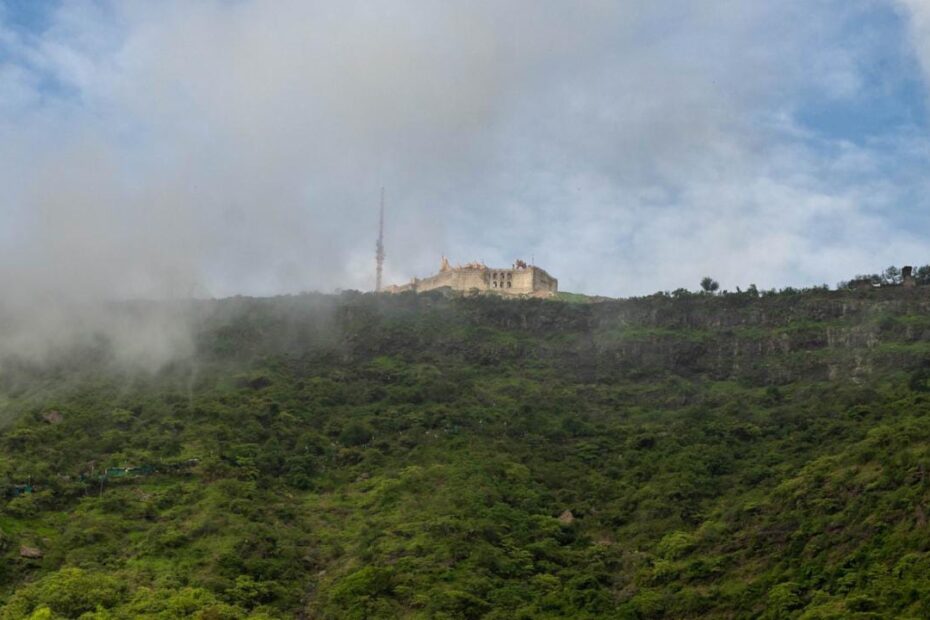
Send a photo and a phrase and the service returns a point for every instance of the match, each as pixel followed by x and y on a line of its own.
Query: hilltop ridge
pixel 426 455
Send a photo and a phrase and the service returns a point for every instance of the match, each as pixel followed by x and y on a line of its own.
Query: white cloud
pixel 918 13
pixel 158 148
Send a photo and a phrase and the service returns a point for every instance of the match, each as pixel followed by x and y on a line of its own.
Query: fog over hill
pixel 205 413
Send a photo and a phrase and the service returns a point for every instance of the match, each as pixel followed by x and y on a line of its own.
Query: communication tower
pixel 379 247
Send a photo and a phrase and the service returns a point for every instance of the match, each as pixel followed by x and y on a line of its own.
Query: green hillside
pixel 356 456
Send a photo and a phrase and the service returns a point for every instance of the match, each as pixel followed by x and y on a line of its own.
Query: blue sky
pixel 892 94
pixel 29 15
pixel 228 147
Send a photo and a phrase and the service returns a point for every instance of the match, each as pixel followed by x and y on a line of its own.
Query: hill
pixel 360 456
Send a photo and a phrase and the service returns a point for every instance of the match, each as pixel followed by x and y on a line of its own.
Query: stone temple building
pixel 519 280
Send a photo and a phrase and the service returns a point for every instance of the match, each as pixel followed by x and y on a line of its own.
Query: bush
pixel 69 592
pixel 675 545
pixel 355 434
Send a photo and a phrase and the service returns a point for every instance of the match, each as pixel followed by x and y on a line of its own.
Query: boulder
pixel 52 417
pixel 30 553
pixel 566 518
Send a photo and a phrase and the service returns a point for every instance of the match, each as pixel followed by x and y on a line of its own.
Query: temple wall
pixel 525 281
pixel 456 279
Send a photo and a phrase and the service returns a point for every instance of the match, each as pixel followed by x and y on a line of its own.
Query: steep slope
pixel 424 456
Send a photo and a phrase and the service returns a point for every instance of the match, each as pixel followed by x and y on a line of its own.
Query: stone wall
pixel 463 279
pixel 529 280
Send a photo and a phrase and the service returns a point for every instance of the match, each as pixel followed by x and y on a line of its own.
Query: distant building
pixel 906 280
pixel 519 280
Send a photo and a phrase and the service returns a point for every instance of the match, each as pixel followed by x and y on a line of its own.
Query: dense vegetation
pixel 700 456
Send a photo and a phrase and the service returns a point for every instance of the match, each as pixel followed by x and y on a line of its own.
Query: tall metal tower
pixel 379 247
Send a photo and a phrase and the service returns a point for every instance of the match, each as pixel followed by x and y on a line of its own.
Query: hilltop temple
pixel 519 280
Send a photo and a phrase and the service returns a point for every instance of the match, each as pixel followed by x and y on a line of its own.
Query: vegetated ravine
pixel 432 456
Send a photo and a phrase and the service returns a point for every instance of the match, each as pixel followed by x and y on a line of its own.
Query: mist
pixel 178 150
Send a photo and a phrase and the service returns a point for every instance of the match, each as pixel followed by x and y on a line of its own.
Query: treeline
pixel 891 276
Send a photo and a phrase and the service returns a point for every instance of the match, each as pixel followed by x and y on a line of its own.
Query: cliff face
pixel 770 340
pixel 759 340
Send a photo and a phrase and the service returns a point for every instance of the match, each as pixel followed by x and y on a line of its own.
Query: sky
pixel 218 147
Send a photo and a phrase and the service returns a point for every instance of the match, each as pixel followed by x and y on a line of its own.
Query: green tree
pixel 709 285
pixel 69 592
pixel 922 274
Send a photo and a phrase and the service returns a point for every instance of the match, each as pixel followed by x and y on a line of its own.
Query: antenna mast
pixel 379 247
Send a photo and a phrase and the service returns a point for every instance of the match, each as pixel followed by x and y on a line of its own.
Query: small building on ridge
pixel 518 280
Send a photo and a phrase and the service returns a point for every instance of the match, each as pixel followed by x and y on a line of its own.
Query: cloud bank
pixel 213 147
